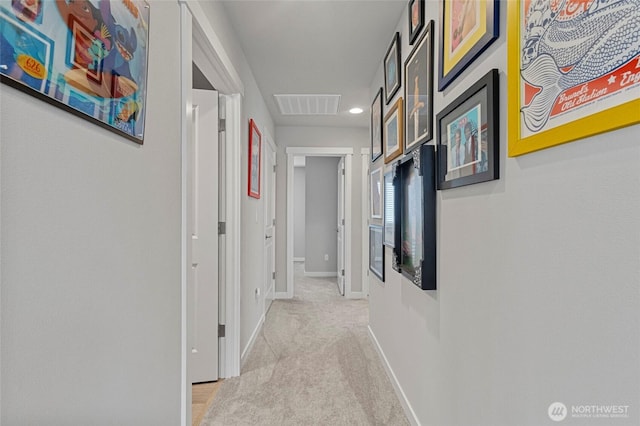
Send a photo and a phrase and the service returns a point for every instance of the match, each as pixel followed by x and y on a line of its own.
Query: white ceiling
pixel 316 47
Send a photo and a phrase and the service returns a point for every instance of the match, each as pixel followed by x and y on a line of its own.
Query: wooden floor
pixel 201 398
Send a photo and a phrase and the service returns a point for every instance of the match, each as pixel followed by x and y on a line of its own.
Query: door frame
pixel 347 153
pixel 364 153
pixel 272 148
pixel 200 43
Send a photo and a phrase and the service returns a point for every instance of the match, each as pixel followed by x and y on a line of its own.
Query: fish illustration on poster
pixel 87 56
pixel 577 58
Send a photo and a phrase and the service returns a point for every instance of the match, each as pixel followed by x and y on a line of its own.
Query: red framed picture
pixel 255 166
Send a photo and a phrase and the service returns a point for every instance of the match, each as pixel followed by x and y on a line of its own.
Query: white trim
pixel 365 156
pixel 347 153
pixel 281 295
pixel 320 274
pixel 298 259
pixel 404 401
pixel 252 340
pixel 356 295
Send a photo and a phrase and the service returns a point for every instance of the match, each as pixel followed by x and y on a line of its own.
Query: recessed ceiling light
pixel 355 110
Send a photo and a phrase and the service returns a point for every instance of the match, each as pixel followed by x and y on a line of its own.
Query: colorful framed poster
pixel 255 159
pixel 376 127
pixel 376 194
pixel 415 254
pixel 418 92
pixel 573 70
pixel 416 19
pixel 376 251
pixel 393 132
pixel 89 58
pixel 468 141
pixel 467 27
pixel 392 70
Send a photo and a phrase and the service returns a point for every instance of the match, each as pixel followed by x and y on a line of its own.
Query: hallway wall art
pixel 392 71
pixel 376 251
pixel 87 57
pixel 393 132
pixel 255 160
pixel 376 127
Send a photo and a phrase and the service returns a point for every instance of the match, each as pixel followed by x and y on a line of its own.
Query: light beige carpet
pixel 313 363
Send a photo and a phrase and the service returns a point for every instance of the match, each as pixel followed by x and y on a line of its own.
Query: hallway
pixel 313 363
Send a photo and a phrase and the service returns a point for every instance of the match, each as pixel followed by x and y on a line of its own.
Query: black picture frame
pixel 376 251
pixel 418 92
pixel 456 57
pixel 474 116
pixel 391 200
pixel 416 19
pixel 392 71
pixel 376 126
pixel 415 254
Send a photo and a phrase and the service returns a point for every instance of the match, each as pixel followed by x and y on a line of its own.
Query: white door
pixel 340 227
pixel 269 225
pixel 202 255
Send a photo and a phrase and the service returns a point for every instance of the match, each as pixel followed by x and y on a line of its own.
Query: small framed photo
pixel 418 92
pixel 255 151
pixel 376 251
pixel 376 194
pixel 392 69
pixel 376 127
pixel 416 19
pixel 393 132
pixel 468 27
pixel 468 141
pixel 416 253
pixel 390 210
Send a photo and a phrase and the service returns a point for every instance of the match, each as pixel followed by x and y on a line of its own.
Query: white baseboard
pixel 320 274
pixel 355 295
pixel 406 405
pixel 282 295
pixel 251 341
pixel 298 259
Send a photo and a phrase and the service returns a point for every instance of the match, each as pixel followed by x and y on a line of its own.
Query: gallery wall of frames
pixel 554 97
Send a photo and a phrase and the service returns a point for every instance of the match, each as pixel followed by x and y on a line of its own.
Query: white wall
pixel 299 212
pixel 90 230
pixel 320 137
pixel 252 225
pixel 538 278
pixel 321 214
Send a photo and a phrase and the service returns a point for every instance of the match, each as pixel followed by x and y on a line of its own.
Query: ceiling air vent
pixel 308 104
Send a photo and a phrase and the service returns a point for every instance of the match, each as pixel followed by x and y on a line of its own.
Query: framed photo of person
pixel 376 251
pixel 390 210
pixel 468 27
pixel 392 70
pixel 418 92
pixel 564 85
pixel 376 127
pixel 416 19
pixel 416 252
pixel 376 194
pixel 393 132
pixel 255 155
pixel 468 141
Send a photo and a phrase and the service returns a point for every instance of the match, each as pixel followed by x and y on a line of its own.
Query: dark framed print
pixel 416 253
pixel 376 251
pixel 392 70
pixel 393 132
pixel 376 127
pixel 416 19
pixel 418 92
pixel 390 210
pixel 376 193
pixel 255 155
pixel 90 60
pixel 468 141
pixel 468 27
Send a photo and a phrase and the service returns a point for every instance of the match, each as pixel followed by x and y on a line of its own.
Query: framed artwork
pixel 418 92
pixel 563 85
pixel 468 27
pixel 376 127
pixel 468 141
pixel 89 60
pixel 392 69
pixel 376 251
pixel 416 253
pixel 390 210
pixel 376 194
pixel 393 132
pixel 416 19
pixel 255 156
